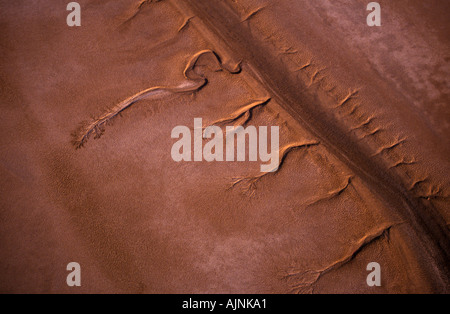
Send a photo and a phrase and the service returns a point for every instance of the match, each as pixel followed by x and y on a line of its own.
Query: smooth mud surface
pixel 87 174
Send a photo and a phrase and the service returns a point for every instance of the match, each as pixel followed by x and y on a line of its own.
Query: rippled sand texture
pixel 364 121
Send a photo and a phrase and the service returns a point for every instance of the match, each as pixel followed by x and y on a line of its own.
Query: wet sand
pixel 364 121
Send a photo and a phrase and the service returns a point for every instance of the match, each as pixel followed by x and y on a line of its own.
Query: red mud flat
pixel 364 119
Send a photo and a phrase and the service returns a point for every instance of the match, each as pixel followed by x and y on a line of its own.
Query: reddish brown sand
pixel 372 184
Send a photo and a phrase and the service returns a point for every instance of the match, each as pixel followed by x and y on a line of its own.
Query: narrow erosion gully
pixel 428 228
